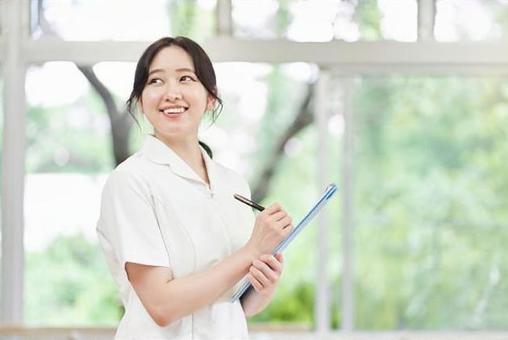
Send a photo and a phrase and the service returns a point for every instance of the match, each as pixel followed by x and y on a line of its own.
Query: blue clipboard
pixel 325 197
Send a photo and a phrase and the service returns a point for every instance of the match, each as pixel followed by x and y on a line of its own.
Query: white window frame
pixel 336 58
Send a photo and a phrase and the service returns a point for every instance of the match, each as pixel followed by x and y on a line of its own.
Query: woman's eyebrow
pixel 184 69
pixel 155 71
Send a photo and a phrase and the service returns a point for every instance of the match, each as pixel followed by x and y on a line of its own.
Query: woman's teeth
pixel 174 110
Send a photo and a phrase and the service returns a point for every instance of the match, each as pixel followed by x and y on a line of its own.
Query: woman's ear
pixel 139 106
pixel 210 103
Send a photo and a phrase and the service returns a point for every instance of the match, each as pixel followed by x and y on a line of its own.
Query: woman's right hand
pixel 272 226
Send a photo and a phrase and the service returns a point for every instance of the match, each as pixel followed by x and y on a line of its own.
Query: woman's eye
pixel 187 78
pixel 154 81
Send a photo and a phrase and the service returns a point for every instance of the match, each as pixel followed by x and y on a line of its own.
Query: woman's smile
pixel 173 111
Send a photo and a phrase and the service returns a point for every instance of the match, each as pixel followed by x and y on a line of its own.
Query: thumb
pixel 279 257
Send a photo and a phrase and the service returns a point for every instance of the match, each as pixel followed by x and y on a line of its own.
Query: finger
pixel 260 276
pixel 279 215
pixel 255 283
pixel 285 222
pixel 272 208
pixel 288 227
pixel 279 258
pixel 268 273
pixel 265 267
pixel 272 262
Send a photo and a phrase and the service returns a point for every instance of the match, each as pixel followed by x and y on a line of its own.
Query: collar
pixel 156 151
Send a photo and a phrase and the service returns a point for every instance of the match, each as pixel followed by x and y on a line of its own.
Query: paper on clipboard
pixel 321 202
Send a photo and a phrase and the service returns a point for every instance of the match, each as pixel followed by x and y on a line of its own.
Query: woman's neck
pixel 189 151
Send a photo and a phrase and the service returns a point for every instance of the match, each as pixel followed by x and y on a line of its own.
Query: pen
pixel 249 202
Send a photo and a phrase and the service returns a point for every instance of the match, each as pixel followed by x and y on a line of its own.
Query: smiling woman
pixel 159 247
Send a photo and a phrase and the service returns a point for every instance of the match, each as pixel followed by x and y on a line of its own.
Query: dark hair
pixel 202 66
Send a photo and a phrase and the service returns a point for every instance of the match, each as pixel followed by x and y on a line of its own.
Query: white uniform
pixel 157 211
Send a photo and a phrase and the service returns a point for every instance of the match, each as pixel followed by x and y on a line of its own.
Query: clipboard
pixel 321 202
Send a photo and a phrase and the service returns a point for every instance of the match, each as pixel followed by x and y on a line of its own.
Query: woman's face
pixel 174 99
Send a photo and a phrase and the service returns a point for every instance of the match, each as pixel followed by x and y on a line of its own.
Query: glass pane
pixel 121 20
pixel 471 20
pixel 261 102
pixel 68 156
pixel 431 195
pixel 325 20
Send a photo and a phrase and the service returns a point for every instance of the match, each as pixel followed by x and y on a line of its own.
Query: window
pixel 261 102
pixel 471 20
pixel 121 20
pixel 68 154
pixel 431 202
pixel 426 164
pixel 319 21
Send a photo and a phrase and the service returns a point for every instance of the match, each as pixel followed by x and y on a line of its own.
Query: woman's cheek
pixel 151 96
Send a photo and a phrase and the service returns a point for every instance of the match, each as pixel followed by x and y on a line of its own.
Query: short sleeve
pixel 128 222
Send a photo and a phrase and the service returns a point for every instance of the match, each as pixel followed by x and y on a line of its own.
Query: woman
pixel 176 241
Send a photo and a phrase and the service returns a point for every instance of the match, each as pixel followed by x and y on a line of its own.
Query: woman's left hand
pixel 264 273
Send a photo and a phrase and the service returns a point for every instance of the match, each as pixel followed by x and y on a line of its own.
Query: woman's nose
pixel 172 96
pixel 172 93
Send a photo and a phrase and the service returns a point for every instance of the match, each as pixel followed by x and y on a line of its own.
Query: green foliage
pixel 68 283
pixel 429 237
pixel 282 18
pixel 500 14
pixel 190 20
pixel 69 138
pixel 368 16
pixel 284 99
pixel 294 306
pixel 430 201
pixel 431 193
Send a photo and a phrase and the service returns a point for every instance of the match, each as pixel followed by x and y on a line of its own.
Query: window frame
pixel 337 58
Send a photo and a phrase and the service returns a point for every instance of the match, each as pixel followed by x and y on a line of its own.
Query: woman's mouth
pixel 172 111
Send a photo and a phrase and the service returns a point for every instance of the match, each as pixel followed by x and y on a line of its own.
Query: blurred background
pixel 402 103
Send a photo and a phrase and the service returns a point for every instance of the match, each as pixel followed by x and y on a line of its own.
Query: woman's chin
pixel 174 132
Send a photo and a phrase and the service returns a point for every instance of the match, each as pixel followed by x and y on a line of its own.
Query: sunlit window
pixel 257 117
pixel 68 153
pixel 476 20
pixel 121 20
pixel 431 202
pixel 429 186
pixel 326 20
